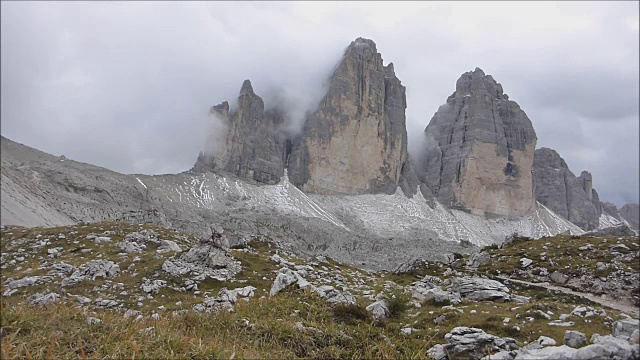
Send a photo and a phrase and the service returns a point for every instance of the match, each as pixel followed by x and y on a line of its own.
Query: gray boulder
pixel 44 299
pixel 205 259
pixel 470 343
pixel 153 286
pixel 168 246
pixel 480 289
pixel 334 296
pixel 619 230
pixel 27 281
pixel 603 347
pixel 574 339
pixel 92 270
pixel 478 259
pixel 379 309
pixel 625 327
pixel 438 295
pixel 284 279
pixel 558 277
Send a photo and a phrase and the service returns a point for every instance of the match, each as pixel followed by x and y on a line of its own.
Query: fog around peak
pixel 128 85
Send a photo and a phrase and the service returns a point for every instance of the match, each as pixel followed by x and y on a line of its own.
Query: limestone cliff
pixel 480 152
pixel 356 141
pixel 631 213
pixel 249 146
pixel 628 212
pixel 561 191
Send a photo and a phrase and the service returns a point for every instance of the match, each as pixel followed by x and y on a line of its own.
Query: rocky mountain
pixel 627 214
pixel 249 146
pixel 356 141
pixel 631 213
pixel 560 190
pixel 344 187
pixel 39 189
pixel 480 150
pixel 574 198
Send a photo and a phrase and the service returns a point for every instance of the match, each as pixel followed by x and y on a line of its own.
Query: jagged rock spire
pixel 355 142
pixel 246 88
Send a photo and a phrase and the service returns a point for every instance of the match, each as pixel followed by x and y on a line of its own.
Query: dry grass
pixel 61 331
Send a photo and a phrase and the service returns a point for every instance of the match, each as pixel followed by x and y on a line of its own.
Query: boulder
pixel 625 327
pixel 524 263
pixel 379 309
pixel 470 343
pixel 438 295
pixel 478 259
pixel 558 277
pixel 168 246
pixel 480 289
pixel 574 339
pixel 44 299
pixel 284 279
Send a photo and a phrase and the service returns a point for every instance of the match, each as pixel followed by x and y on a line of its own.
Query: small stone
pixel 93 321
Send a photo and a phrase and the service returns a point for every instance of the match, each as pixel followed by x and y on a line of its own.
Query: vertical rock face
pixel 356 141
pixel 611 209
pixel 587 184
pixel 595 200
pixel 481 150
pixel 561 191
pixel 631 213
pixel 250 146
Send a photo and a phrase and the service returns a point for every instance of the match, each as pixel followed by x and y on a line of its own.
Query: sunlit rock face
pixel 480 148
pixel 356 141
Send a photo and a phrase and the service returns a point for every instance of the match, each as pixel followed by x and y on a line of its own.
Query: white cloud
pixel 126 84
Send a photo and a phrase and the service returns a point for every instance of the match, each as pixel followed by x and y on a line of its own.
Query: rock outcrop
pixel 481 148
pixel 561 191
pixel 356 141
pixel 250 147
pixel 631 213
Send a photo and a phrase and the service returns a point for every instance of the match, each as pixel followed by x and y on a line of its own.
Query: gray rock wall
pixel 561 191
pixel 251 148
pixel 484 153
pixel 356 141
pixel 631 213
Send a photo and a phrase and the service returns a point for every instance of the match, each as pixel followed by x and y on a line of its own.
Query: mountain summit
pixel 356 141
pixel 481 150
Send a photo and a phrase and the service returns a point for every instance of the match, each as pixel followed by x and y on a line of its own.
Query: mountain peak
pixel 246 88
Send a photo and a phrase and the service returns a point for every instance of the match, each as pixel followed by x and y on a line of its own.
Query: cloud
pixel 127 85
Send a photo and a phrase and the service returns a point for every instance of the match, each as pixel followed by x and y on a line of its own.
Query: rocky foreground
pixel 114 290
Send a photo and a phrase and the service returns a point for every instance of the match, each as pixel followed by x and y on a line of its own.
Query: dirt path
pixel 625 307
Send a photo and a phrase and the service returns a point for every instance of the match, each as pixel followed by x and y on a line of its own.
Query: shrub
pixel 351 314
pixel 397 304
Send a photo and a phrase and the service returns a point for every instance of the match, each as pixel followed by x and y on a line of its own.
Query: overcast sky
pixel 127 85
